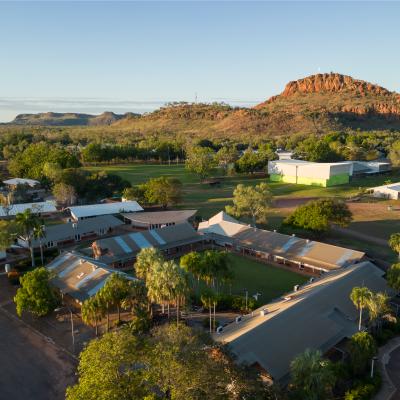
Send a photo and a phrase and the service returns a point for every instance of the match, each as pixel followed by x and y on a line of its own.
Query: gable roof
pixel 318 316
pixel 104 209
pixel 317 254
pixel 61 232
pixel 36 208
pixel 78 276
pixel 126 246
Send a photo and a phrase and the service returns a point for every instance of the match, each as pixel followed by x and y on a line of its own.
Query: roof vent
pixel 74 225
pixel 275 230
pixel 238 319
pixel 296 288
pixel 308 240
pixel 293 235
pixel 263 312
pixel 220 329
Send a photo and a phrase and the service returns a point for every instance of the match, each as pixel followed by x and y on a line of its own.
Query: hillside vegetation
pixel 314 104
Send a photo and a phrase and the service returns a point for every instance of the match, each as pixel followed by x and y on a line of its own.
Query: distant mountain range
pixel 314 103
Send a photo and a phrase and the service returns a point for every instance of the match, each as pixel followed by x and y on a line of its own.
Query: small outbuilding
pixel 14 182
pixel 390 191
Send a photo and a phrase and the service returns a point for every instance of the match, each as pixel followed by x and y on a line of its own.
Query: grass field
pixel 209 200
pixel 257 277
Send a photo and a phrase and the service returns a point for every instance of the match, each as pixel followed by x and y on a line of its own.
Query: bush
pixel 364 390
pixel 236 303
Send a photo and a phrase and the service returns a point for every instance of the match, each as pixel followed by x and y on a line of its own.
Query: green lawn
pixel 209 200
pixel 257 277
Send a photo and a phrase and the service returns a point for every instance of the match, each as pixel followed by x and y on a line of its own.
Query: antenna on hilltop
pixel 195 97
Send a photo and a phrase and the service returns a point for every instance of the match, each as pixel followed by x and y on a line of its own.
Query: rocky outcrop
pixel 335 83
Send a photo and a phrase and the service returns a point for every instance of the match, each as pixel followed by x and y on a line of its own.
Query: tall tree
pixel 378 308
pixel 64 194
pixel 393 277
pixel 312 376
pixel 360 297
pixel 394 242
pixel 226 156
pixel 26 223
pixel 8 233
pixel 35 294
pixel 200 160
pixel 361 349
pixel 39 232
pixel 144 261
pixel 109 368
pixel 117 288
pixel 92 311
pixel 251 201
pixel 164 191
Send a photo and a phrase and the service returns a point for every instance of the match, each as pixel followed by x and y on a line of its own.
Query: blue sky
pixel 134 56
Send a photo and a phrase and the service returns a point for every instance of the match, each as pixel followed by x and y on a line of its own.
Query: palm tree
pixel 26 223
pixel 158 289
pixel 136 298
pixel 394 242
pixel 179 287
pixel 360 297
pixel 208 299
pixel 312 376
pixel 144 261
pixel 378 307
pixel 39 232
pixel 92 311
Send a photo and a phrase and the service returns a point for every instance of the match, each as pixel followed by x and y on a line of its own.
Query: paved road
pixel 30 367
pixel 393 369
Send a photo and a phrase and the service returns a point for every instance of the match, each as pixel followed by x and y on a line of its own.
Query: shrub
pixel 364 390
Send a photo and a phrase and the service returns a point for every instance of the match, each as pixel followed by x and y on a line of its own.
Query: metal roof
pixel 61 232
pixel 36 208
pixel 318 316
pixel 320 255
pixel 78 276
pixel 127 246
pixel 160 217
pixel 21 181
pixel 93 210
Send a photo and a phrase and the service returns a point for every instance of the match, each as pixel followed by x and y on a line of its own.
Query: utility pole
pixel 72 332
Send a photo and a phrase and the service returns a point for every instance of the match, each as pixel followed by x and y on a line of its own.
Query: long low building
pixel 121 251
pixel 40 208
pixel 72 232
pixel 95 210
pixel 158 219
pixel 318 316
pixel 307 255
pixel 310 173
pixel 79 277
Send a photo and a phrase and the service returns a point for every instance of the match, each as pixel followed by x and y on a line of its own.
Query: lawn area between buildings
pixel 257 277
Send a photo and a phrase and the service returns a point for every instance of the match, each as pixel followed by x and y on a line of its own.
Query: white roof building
pixel 391 191
pixel 44 207
pixel 21 181
pixel 94 210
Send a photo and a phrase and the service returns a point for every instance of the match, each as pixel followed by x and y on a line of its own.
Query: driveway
pixel 393 369
pixel 31 367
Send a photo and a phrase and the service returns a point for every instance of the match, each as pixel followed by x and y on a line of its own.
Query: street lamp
pixel 372 365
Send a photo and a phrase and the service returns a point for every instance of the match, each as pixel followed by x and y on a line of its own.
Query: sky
pixel 135 56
